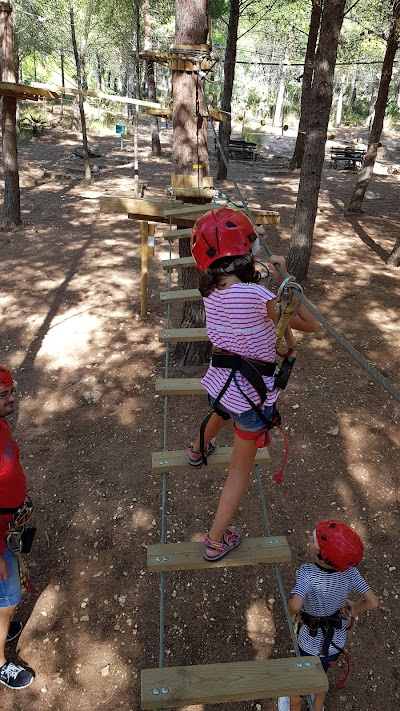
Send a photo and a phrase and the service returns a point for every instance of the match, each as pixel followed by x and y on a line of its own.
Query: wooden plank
pixel 180 295
pixel 189 555
pixel 205 193
pixel 180 262
pixel 178 234
pixel 164 113
pixel 190 209
pixel 234 681
pixel 261 217
pixel 8 88
pixel 185 335
pixel 177 460
pixel 144 235
pixel 96 95
pixel 179 386
pixel 179 180
pixel 155 208
pixel 160 210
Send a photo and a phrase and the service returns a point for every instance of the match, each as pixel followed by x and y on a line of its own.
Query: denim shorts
pixel 10 589
pixel 325 661
pixel 249 420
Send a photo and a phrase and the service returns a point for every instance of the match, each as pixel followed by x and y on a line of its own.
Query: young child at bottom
pixel 320 597
pixel 240 320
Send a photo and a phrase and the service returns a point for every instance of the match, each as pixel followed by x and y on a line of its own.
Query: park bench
pixel 351 157
pixel 240 149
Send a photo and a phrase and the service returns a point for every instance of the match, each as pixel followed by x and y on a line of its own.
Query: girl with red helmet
pixel 240 321
pixel 320 598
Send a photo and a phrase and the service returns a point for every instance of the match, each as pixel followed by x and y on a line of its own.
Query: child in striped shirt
pixel 240 321
pixel 321 598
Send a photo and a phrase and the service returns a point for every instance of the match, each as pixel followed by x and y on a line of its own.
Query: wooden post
pixel 150 240
pixel 144 233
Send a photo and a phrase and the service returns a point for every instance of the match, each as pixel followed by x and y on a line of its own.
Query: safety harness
pixel 327 625
pixel 20 538
pixel 253 371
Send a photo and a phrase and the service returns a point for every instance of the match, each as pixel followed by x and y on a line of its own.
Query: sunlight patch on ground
pixel 260 628
pixel 142 519
pixel 69 342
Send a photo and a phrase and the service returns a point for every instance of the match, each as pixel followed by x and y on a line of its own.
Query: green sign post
pixel 120 130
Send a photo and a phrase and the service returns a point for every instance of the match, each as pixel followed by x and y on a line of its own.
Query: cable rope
pixel 161 644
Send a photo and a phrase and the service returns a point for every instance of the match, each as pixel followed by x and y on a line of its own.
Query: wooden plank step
pixel 182 262
pixel 189 555
pixel 180 295
pixel 176 460
pixel 176 335
pixel 234 681
pixel 178 234
pixel 179 386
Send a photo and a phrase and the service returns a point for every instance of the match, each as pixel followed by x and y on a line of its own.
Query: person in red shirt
pixel 12 495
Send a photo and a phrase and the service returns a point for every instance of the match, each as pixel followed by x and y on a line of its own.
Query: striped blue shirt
pixel 324 593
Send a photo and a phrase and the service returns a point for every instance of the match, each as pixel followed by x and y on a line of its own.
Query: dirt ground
pixel 70 301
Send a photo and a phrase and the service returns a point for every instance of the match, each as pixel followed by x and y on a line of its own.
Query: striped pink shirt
pixel 236 319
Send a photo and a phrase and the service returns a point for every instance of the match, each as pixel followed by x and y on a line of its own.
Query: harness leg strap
pixel 262 436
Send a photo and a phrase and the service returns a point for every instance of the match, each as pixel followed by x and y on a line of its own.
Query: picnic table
pixel 351 156
pixel 239 148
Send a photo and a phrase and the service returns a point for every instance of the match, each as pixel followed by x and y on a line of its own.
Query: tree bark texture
pixel 81 103
pixel 189 150
pixel 12 197
pixel 308 71
pixel 394 257
pixel 314 149
pixel 189 145
pixel 367 169
pixel 225 129
pixel 151 81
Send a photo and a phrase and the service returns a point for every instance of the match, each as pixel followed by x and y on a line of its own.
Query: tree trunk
pixel 12 197
pixel 81 104
pixel 100 71
pixel 189 149
pixel 308 71
pixel 394 257
pixel 314 150
pixel 339 106
pixel 353 93
pixel 229 77
pixel 367 170
pixel 137 49
pixel 151 81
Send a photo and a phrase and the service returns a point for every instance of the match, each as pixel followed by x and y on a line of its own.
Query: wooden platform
pixel 236 681
pixel 180 295
pixel 177 460
pixel 179 386
pixel 177 335
pixel 162 210
pixel 189 556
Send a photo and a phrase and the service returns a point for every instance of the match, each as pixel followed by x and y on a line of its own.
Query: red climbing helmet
pixel 340 546
pixel 6 379
pixel 221 233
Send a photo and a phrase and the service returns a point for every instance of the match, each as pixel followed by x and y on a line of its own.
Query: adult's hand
pixel 3 569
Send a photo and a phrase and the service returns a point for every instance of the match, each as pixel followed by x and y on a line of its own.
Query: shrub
pixel 34 120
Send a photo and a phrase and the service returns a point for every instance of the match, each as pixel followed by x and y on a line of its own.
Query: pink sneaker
pixel 195 459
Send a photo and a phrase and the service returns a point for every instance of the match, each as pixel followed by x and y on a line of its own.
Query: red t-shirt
pixel 12 479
